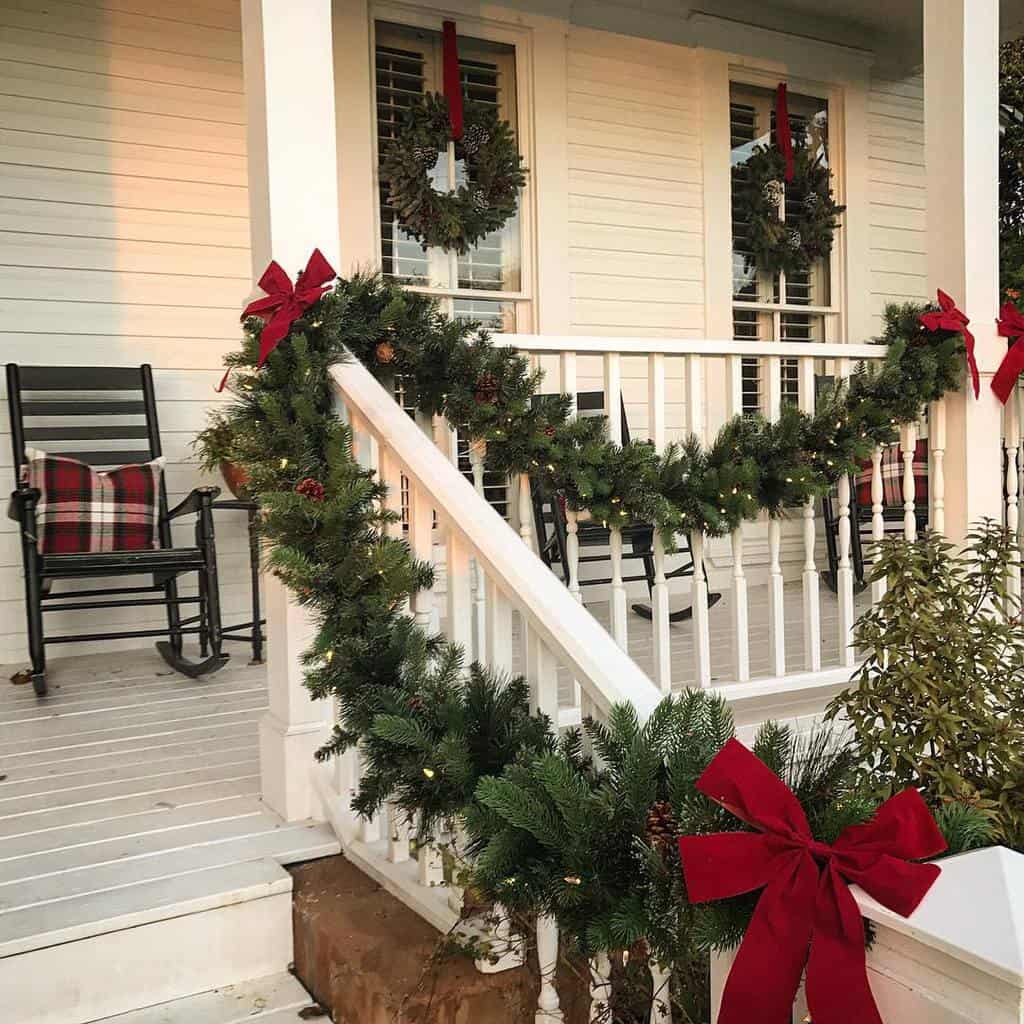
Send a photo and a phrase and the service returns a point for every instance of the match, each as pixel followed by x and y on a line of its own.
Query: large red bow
pixel 949 318
pixel 284 302
pixel 1010 325
pixel 783 130
pixel 806 902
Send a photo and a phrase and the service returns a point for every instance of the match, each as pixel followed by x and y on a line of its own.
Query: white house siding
pixel 124 233
pixel 636 235
pixel 898 237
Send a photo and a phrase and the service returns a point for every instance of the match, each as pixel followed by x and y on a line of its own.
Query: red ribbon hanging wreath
pixel 452 82
pixel 284 302
pixel 949 318
pixel 806 903
pixel 1010 325
pixel 783 130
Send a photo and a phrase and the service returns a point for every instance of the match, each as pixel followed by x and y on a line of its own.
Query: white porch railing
pixel 510 611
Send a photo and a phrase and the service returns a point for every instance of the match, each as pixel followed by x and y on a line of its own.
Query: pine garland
pixel 553 830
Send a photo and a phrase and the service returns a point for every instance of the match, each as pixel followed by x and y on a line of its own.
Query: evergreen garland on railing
pixel 444 740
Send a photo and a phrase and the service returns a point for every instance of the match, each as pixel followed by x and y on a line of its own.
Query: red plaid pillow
pixel 81 510
pixel 892 477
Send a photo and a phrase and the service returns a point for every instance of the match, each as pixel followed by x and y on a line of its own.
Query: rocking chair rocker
pixel 66 394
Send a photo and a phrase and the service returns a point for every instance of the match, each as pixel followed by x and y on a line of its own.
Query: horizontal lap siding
pixel 635 205
pixel 124 233
pixel 898 192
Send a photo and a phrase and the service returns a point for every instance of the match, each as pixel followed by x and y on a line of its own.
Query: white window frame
pixel 521 40
pixel 834 315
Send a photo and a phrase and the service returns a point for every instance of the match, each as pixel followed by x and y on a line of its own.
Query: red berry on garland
pixel 310 488
pixel 549 431
pixel 385 352
pixel 486 389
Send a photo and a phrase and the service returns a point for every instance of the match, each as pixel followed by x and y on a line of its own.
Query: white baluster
pixel 429 864
pixel 878 587
pixel 542 675
pixel 613 395
pixel 459 592
pixel 499 628
pixel 844 575
pixel 600 987
pixel 398 834
pixel 701 624
pixel 477 455
pixel 937 483
pixel 656 399
pixel 567 370
pixel 909 441
pixel 699 589
pixel 660 617
pixel 548 1007
pixel 421 540
pixel 776 598
pixel 525 511
pixel 618 600
pixel 661 991
pixel 572 556
pixel 1012 434
pixel 809 576
pixel 740 612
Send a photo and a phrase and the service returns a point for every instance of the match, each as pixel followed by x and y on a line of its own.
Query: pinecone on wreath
pixel 811 201
pixel 425 155
pixel 385 352
pixel 473 138
pixel 486 392
pixel 416 703
pixel 661 826
pixel 480 203
pixel 774 191
pixel 795 239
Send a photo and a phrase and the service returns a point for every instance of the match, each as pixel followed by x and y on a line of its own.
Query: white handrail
pixel 568 629
pixel 582 344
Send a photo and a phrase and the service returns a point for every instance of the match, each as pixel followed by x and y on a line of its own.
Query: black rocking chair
pixel 37 393
pixel 638 540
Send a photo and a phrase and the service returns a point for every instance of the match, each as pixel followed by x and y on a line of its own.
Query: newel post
pixel 293 201
pixel 961 115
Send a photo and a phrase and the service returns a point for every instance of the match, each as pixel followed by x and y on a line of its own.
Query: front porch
pixel 132 834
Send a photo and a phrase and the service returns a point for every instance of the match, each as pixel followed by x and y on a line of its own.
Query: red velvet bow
pixel 949 318
pixel 783 131
pixel 284 302
pixel 805 903
pixel 1010 325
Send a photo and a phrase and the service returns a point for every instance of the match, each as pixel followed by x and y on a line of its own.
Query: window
pixel 774 307
pixel 408 63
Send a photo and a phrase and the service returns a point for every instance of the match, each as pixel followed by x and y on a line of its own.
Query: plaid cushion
pixel 81 510
pixel 892 477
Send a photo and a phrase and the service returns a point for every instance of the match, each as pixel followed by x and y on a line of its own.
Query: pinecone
pixel 773 191
pixel 811 201
pixel 474 138
pixel 486 389
pixel 425 155
pixel 385 352
pixel 416 703
pixel 661 826
pixel 480 203
pixel 310 488
pixel 795 239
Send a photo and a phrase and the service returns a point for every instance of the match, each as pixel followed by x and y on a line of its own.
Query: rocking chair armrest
pixel 198 501
pixel 22 501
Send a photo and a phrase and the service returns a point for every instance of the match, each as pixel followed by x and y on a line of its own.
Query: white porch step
pixel 273 1000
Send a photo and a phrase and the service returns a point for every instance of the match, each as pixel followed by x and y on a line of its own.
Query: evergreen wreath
pixel 805 236
pixel 459 218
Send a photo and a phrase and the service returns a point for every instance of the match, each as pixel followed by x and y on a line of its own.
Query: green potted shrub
pixel 215 446
pixel 938 702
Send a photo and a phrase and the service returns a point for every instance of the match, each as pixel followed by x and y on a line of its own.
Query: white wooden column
pixel 961 70
pixel 293 205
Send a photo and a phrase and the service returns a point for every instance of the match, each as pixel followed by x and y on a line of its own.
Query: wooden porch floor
pixel 132 792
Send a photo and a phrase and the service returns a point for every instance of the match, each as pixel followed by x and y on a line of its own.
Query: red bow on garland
pixel 805 903
pixel 783 130
pixel 451 77
pixel 949 318
pixel 284 302
pixel 1010 325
